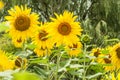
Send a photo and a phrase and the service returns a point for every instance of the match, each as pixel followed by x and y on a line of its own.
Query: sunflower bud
pixel 85 38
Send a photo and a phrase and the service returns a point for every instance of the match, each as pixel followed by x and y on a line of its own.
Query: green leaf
pixel 3 27
pixel 31 46
pixel 105 51
pixel 40 71
pixel 26 76
pixel 67 63
pixel 76 66
pixel 93 76
pixel 39 60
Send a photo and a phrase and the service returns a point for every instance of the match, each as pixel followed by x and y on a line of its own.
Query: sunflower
pixel 105 59
pixel 42 52
pixel 1 5
pixel 64 29
pixel 75 49
pixel 115 52
pixel 20 62
pixel 42 40
pixel 23 23
pixel 18 42
pixel 95 52
pixel 5 62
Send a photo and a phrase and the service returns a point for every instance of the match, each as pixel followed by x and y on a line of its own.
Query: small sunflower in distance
pixel 42 52
pixel 5 62
pixel 42 40
pixel 75 49
pixel 95 52
pixel 20 62
pixel 115 55
pixel 23 23
pixel 1 5
pixel 18 42
pixel 105 59
pixel 64 29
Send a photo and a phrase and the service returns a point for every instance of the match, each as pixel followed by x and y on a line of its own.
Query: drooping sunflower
pixel 20 62
pixel 5 62
pixel 42 40
pixel 75 49
pixel 64 29
pixel 23 23
pixel 1 5
pixel 115 55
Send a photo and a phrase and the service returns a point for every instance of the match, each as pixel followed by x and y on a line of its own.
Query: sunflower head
pixel 43 35
pixel 23 23
pixel 64 29
pixel 96 52
pixel 74 50
pixel 107 60
pixel 115 55
pixel 42 52
pixel 42 38
pixel 66 22
pixel 20 62
pixel 17 42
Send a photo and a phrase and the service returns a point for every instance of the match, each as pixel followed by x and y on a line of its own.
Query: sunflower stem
pixel 57 66
pixel 84 65
pixel 48 68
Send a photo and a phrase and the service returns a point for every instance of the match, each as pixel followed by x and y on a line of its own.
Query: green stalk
pixel 84 65
pixel 57 66
pixel 48 68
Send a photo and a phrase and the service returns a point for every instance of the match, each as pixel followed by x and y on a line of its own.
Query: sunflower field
pixel 59 39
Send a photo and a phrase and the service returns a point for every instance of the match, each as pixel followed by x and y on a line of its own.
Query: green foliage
pixel 26 76
pixel 3 27
pixel 100 21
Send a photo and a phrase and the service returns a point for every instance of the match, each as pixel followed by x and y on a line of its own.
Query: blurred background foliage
pixel 100 19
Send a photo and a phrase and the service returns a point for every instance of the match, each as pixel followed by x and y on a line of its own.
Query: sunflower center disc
pixel 64 28
pixel 96 54
pixel 107 60
pixel 73 47
pixel 42 36
pixel 22 23
pixel 18 62
pixel 19 40
pixel 118 52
